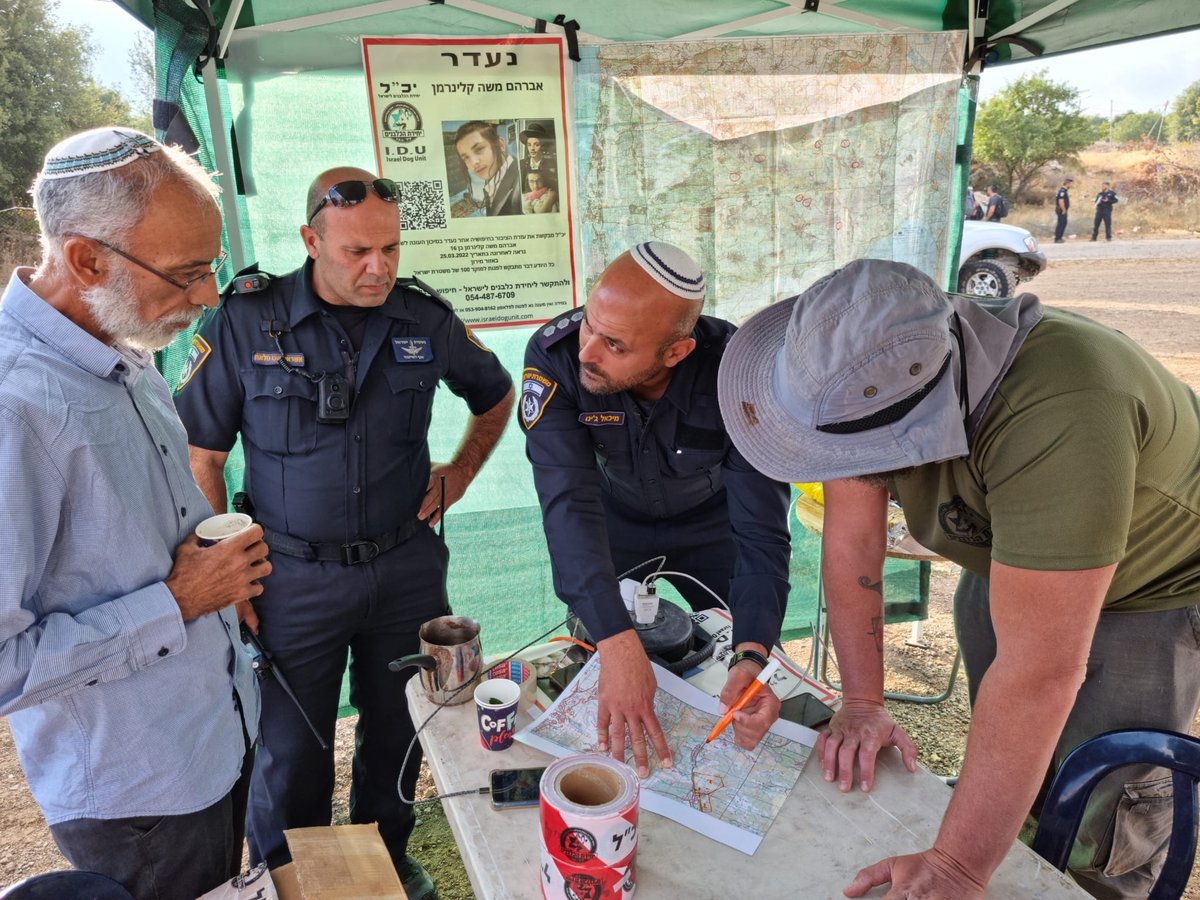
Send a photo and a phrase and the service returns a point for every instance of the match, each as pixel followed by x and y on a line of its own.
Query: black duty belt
pixel 350 554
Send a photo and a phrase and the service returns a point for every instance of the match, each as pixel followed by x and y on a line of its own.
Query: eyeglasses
pixel 352 193
pixel 214 266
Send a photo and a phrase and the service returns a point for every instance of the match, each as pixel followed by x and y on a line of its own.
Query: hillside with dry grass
pixel 1158 187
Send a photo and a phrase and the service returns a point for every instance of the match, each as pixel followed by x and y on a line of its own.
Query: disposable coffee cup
pixel 215 529
pixel 496 707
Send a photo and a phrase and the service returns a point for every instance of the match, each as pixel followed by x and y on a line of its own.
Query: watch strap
pixel 752 655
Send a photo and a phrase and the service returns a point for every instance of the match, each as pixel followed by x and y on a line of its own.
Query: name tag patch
pixel 536 391
pixel 198 353
pixel 271 358
pixel 412 349
pixel 602 418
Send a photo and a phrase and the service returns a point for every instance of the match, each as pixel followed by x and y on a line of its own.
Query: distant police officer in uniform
pixel 1105 200
pixel 1062 203
pixel 631 460
pixel 329 374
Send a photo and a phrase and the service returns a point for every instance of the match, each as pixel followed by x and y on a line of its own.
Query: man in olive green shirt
pixel 1043 452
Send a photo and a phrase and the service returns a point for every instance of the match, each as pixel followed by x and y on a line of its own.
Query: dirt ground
pixel 1150 289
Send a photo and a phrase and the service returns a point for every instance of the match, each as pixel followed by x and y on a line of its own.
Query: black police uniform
pixel 1060 224
pixel 621 482
pixel 1104 205
pixel 353 567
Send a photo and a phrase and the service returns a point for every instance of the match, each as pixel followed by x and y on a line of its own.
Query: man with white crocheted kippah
pixel 632 461
pixel 132 703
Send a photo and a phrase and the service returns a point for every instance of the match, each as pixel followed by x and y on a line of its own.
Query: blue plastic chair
pixel 1082 770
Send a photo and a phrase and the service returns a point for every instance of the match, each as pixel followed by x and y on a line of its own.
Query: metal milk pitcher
pixel 450 659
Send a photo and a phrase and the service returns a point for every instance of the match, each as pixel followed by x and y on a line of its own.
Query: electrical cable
pixel 439 708
pixel 647 583
pixel 653 576
pixel 661 560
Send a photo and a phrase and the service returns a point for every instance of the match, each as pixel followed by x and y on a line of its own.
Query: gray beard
pixel 114 307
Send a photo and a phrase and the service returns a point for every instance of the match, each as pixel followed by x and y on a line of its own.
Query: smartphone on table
pixel 515 787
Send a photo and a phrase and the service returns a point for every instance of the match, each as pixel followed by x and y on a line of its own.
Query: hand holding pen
pixel 752 690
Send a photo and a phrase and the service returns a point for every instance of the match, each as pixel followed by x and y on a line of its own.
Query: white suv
pixel 995 258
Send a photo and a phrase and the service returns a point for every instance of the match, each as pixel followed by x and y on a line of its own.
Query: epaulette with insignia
pixel 421 287
pixel 556 329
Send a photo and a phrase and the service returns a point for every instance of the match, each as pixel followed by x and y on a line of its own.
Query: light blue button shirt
pixel 118 707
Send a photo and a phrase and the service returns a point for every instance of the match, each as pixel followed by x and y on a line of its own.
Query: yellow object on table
pixel 814 490
pixel 900 544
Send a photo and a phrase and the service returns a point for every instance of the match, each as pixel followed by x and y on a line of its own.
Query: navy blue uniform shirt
pixel 1106 199
pixel 1065 196
pixel 589 449
pixel 331 482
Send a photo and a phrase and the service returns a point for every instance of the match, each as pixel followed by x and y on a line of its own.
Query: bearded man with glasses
pixel 328 373
pixel 131 702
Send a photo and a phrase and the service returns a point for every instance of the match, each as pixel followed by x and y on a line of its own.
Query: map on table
pixel 717 789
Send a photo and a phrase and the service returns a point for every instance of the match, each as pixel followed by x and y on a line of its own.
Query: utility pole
pixel 1158 128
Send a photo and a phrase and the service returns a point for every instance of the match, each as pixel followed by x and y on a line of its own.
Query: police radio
pixel 333 399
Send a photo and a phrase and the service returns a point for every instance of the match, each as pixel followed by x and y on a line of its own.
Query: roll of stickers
pixel 563 881
pixel 589 808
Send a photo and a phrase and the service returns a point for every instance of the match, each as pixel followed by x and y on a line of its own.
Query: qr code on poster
pixel 422 205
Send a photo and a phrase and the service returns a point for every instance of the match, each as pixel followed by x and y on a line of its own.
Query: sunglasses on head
pixel 352 193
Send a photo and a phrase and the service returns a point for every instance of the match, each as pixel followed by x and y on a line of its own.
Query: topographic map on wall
pixel 772 160
pixel 720 790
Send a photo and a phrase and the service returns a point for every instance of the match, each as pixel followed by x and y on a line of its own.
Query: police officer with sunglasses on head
pixel 329 373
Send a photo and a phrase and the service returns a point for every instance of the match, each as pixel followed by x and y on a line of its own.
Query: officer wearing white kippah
pixel 631 460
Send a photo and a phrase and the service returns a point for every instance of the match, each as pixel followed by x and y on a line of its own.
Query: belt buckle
pixel 357 552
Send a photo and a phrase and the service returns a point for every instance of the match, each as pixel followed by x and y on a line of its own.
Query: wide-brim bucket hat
pixel 855 376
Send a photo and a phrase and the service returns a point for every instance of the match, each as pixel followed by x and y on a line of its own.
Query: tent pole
pixel 223 158
pixel 228 26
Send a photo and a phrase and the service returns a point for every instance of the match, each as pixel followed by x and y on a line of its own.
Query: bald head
pixel 636 327
pixel 327 179
pixel 628 289
pixel 354 240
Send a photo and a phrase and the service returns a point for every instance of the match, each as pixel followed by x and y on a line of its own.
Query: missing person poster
pixel 476 133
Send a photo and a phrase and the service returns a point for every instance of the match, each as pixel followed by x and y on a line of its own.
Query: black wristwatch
pixel 752 655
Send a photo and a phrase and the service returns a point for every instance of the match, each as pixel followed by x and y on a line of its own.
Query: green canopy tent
pixel 272 91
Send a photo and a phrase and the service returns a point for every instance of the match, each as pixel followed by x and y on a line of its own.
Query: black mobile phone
pixel 806 710
pixel 515 787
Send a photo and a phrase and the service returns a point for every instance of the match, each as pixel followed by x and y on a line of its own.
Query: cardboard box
pixel 337 862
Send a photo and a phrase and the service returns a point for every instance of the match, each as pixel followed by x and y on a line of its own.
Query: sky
pixel 1139 75
pixel 113 31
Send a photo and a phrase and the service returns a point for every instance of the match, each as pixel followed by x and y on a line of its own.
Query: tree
pixel 46 92
pixel 1032 122
pixel 1135 126
pixel 141 64
pixel 1185 114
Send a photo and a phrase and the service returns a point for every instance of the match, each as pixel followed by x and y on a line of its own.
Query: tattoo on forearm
pixel 877 632
pixel 865 582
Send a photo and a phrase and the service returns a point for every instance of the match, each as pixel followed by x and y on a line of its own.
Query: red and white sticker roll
pixel 563 881
pixel 589 809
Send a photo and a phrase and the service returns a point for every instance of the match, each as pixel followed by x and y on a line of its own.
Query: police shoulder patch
pixel 556 329
pixel 199 353
pixel 536 391
pixel 475 340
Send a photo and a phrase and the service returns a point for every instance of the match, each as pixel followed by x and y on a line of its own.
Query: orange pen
pixel 748 694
